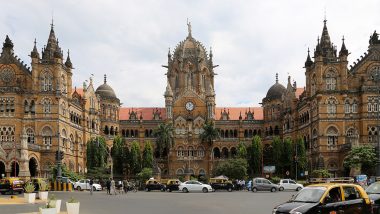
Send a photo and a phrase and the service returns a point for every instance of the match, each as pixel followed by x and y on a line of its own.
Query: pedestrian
pixel 113 187
pixel 108 185
pixel 125 185
pixel 91 185
pixel 121 187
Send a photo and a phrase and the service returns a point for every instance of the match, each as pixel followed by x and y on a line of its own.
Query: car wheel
pixel 273 189
pixel 146 189
pixel 229 189
pixel 79 189
pixel 204 190
pixel 185 190
pixel 298 188
pixel 93 189
pixel 281 189
pixel 254 189
pixel 168 189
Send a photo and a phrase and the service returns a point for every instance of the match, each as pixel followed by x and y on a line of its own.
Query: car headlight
pixel 274 211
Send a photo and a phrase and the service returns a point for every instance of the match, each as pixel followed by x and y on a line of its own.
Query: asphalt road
pixel 240 202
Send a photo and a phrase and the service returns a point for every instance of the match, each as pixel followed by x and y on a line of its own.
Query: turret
pixel 343 53
pixel 34 54
pixel 52 50
pixel 68 60
pixel 308 62
pixel 7 46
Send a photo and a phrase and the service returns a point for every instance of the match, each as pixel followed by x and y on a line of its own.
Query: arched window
pixel 47 134
pixel 347 107
pixel 26 106
pixel 201 152
pixel 191 151
pixel 330 80
pixel 46 105
pixel 30 134
pixel 180 152
pixel 355 107
pixel 352 136
pixel 47 81
pixel 332 138
pixel 32 107
pixel 179 172
pixel 331 106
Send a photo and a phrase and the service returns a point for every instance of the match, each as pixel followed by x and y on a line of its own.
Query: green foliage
pixel 277 154
pixel 275 180
pixel 287 155
pixel 66 173
pixel 98 173
pixel 72 200
pixel 145 174
pixel 320 173
pixel 233 168
pixel 301 154
pixel 209 134
pixel 135 158
pixel 241 151
pixel 29 187
pixel 118 157
pixel 43 186
pixel 255 155
pixel 361 156
pixel 96 153
pixel 147 158
pixel 164 137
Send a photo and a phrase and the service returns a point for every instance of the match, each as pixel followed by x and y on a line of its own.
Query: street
pixel 241 202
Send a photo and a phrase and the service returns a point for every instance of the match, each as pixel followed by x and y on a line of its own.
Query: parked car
pixel 373 192
pixel 289 184
pixel 84 184
pixel 153 184
pixel 11 185
pixel 327 198
pixel 194 186
pixel 263 184
pixel 221 184
pixel 172 185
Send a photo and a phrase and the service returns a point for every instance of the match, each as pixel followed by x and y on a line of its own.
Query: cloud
pixel 129 40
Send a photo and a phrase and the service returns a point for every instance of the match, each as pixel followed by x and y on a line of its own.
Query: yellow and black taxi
pixel 327 198
pixel 11 185
pixel 221 184
pixel 153 184
pixel 172 185
pixel 373 192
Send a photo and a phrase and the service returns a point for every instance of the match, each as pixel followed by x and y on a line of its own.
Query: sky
pixel 129 40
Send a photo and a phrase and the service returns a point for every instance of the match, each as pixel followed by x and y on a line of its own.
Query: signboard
pixel 269 169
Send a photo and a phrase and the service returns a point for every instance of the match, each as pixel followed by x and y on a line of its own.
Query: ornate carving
pixel 7 74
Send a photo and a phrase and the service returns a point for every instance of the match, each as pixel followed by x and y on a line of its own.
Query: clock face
pixel 189 106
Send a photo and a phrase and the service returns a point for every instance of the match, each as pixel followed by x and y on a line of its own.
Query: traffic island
pixel 17 200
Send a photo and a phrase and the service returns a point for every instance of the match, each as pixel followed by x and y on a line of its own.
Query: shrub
pixel 29 187
pixel 275 180
pixel 320 173
pixel 43 186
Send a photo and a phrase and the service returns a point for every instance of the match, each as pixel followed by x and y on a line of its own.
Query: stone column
pixel 24 160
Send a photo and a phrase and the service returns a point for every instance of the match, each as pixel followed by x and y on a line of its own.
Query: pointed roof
pixel 168 91
pixel 308 61
pixel 52 49
pixel 34 53
pixel 343 50
pixel 68 61
pixel 325 38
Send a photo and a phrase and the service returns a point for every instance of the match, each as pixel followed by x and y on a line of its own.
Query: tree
pixel 255 155
pixel 147 158
pixel 277 154
pixel 164 137
pixel 233 168
pixel 96 153
pixel 301 154
pixel 145 174
pixel 362 156
pixel 135 158
pixel 287 155
pixel 209 134
pixel 241 151
pixel 320 173
pixel 117 153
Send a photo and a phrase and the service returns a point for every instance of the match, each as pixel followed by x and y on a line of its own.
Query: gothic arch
pixel 46 129
pixel 331 127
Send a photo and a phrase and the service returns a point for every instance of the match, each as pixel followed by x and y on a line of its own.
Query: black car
pixel 221 184
pixel 154 185
pixel 327 199
pixel 172 185
pixel 373 192
pixel 11 185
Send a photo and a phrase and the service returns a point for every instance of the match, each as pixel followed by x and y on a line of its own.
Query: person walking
pixel 108 185
pixel 113 187
pixel 91 185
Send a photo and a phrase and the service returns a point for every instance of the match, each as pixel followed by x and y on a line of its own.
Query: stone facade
pixel 336 110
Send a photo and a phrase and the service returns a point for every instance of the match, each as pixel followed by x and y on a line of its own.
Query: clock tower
pixel 189 95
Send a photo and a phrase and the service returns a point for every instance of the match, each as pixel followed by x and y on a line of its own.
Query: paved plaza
pixel 165 202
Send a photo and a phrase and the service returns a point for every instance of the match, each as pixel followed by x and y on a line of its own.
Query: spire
pixel 105 78
pixel 34 53
pixel 52 49
pixel 308 62
pixel 168 91
pixel 8 45
pixel 68 61
pixel 343 50
pixel 327 48
pixel 318 50
pixel 276 78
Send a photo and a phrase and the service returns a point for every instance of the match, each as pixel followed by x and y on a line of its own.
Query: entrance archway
pixel 33 166
pixel 14 169
pixel 2 169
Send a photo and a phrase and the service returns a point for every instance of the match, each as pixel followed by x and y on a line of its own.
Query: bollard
pixel 70 187
pixel 64 186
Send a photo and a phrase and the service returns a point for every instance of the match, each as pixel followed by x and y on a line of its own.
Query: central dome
pixel 190 47
pixel 276 91
pixel 105 90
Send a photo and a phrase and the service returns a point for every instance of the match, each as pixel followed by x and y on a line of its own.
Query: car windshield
pixel 309 194
pixel 373 188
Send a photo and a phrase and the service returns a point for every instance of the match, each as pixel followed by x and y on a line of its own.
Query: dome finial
pixel 188 27
pixel 105 78
pixel 276 77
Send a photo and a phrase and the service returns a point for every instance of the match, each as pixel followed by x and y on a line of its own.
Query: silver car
pixel 263 184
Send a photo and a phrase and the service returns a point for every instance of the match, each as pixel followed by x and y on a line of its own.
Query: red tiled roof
pixel 258 113
pixel 299 91
pixel 147 112
pixel 79 91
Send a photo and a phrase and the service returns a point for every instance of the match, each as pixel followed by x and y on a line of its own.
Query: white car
pixel 289 184
pixel 194 186
pixel 84 184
